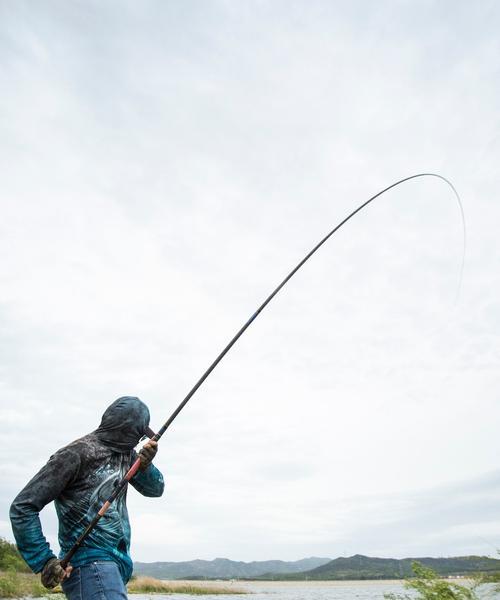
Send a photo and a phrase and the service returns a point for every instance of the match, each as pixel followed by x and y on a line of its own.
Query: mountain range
pixel 314 568
pixel 223 568
pixel 366 567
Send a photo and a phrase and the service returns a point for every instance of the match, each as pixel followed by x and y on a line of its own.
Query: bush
pixel 20 585
pixel 10 559
pixel 429 586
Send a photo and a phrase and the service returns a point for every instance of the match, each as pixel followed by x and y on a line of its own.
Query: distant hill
pixel 365 567
pixel 354 567
pixel 223 568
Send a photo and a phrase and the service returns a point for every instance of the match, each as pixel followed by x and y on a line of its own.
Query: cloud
pixel 164 166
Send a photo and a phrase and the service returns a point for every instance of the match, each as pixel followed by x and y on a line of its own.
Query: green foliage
pixel 16 580
pixel 17 585
pixel 10 559
pixel 429 586
pixel 8 585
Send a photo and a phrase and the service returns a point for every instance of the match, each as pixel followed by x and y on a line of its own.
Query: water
pixel 299 590
pixel 304 590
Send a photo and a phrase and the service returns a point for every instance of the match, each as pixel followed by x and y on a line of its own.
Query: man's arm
pixel 148 481
pixel 45 486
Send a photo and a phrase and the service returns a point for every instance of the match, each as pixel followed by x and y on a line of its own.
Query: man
pixel 79 478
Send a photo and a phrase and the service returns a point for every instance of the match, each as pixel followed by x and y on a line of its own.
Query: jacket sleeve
pixel 148 482
pixel 45 486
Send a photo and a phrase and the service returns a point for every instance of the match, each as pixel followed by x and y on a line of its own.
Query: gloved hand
pixel 53 573
pixel 147 453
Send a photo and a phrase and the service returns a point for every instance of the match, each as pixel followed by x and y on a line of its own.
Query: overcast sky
pixel 164 164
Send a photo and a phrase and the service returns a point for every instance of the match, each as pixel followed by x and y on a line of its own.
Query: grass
pixel 149 585
pixel 18 585
pixel 21 585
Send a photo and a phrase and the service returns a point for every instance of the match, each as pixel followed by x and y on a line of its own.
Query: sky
pixel 163 166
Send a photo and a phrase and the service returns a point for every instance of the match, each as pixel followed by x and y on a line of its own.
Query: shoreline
pixel 308 582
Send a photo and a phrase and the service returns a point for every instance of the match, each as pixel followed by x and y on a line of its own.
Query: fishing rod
pixel 155 437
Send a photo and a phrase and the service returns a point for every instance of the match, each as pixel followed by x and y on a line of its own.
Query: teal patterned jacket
pixel 79 478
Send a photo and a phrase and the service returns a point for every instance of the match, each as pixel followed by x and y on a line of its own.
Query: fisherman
pixel 79 478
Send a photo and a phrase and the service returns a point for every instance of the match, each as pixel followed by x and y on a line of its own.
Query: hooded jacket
pixel 79 478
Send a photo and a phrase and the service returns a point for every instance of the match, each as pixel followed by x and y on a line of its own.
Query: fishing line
pixel 135 467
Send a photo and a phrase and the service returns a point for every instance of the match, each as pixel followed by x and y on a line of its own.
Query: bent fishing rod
pixel 156 436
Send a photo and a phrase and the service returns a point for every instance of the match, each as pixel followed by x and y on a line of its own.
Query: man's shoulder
pixel 87 446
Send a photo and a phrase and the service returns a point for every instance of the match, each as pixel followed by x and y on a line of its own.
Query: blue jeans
pixel 95 581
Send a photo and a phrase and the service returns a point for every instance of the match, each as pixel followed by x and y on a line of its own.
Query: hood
pixel 123 424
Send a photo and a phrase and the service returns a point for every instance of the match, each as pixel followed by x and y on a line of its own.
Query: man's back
pixel 79 478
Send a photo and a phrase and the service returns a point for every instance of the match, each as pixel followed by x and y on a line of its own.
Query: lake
pixel 300 590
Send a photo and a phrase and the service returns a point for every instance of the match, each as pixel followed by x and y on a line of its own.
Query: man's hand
pixel 53 573
pixel 147 453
